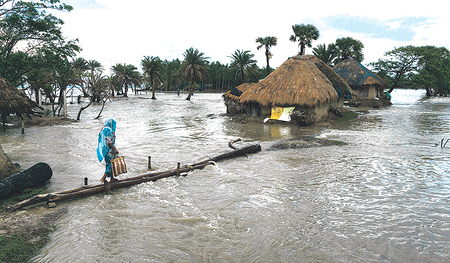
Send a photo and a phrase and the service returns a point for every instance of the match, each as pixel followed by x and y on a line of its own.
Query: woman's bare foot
pixel 113 180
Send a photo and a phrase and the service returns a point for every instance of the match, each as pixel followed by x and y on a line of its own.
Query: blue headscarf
pixel 105 136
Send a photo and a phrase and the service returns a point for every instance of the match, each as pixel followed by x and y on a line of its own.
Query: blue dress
pixel 106 136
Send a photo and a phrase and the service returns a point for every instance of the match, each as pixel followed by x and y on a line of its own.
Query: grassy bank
pixel 24 233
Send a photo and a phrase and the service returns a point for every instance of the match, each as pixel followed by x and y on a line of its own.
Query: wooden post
pixel 150 163
pixel 23 127
pixel 178 169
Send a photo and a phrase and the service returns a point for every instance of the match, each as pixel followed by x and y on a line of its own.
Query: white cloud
pixel 125 32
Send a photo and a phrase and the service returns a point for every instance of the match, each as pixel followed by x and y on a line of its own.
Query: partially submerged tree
pixel 128 76
pixel 97 84
pixel 194 66
pixel 267 43
pixel 425 66
pixel 152 67
pixel 304 34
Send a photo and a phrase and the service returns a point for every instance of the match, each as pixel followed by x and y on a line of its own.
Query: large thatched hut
pixel 368 87
pixel 14 101
pixel 303 82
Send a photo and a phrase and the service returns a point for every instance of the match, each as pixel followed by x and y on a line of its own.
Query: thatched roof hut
pixel 303 82
pixel 368 86
pixel 14 101
pixel 296 82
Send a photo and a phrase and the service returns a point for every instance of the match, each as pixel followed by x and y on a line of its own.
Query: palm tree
pixel 153 68
pixel 128 76
pixel 97 84
pixel 304 34
pixel 194 66
pixel 243 60
pixel 267 42
pixel 94 66
pixel 325 53
pixel 171 74
pixel 348 47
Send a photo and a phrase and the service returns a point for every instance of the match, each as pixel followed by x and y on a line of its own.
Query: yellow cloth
pixel 282 114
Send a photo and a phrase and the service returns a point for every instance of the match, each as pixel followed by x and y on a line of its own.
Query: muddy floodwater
pixel 384 196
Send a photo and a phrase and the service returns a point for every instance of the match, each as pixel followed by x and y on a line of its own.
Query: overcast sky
pixel 113 31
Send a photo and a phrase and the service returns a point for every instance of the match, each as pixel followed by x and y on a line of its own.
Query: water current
pixel 382 197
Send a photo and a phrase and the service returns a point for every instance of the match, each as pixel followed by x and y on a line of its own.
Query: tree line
pixel 47 63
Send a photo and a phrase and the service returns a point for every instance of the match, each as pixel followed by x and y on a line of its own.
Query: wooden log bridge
pixel 88 190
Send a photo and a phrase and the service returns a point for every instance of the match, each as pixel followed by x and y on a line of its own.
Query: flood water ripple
pixel 382 197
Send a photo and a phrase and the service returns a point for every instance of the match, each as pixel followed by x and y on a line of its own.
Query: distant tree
pixel 93 66
pixel 171 76
pixel 97 84
pixel 267 43
pixel 114 84
pixel 400 62
pixel 304 34
pixel 425 67
pixel 348 47
pixel 92 75
pixel 153 69
pixel 433 71
pixel 325 53
pixel 25 30
pixel 194 66
pixel 242 60
pixel 128 76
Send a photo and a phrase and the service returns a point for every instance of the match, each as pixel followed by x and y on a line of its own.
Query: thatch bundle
pixel 356 75
pixel 339 84
pixel 296 82
pixel 242 88
pixel 14 101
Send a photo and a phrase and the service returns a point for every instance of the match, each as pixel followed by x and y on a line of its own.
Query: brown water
pixel 384 197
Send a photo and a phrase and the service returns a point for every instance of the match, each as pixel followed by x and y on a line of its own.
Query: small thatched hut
pixel 232 98
pixel 303 82
pixel 368 87
pixel 14 101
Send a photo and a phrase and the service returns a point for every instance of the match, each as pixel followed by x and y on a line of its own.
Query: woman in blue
pixel 107 147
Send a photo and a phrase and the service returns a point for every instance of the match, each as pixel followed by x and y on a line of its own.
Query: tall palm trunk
pixel 191 90
pixel 267 59
pixel 302 48
pixel 126 90
pixel 153 89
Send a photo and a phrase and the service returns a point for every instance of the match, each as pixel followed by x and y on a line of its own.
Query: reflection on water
pixel 383 197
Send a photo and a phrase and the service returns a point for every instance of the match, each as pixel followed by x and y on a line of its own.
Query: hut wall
pixel 367 92
pixel 234 107
pixel 321 111
pixel 255 110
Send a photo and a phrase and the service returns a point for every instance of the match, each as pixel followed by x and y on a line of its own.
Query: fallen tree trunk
pixel 32 177
pixel 147 177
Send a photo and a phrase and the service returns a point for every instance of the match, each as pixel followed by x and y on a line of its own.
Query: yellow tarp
pixel 282 114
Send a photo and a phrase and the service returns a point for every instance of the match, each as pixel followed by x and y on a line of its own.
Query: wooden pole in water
pixel 149 166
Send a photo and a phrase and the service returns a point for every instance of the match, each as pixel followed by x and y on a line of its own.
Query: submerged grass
pixel 19 247
pixel 346 116
pixel 24 233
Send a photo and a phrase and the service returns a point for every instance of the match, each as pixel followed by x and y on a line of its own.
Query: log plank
pixel 147 177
